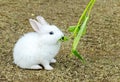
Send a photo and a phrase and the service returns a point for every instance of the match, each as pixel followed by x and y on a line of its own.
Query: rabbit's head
pixel 50 34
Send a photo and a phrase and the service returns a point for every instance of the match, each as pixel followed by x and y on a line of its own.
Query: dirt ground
pixel 100 46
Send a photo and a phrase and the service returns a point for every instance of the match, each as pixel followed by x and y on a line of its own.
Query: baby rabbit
pixel 39 47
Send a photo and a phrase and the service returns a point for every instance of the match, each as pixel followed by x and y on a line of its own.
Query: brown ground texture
pixel 100 46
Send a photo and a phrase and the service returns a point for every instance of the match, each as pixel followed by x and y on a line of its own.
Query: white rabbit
pixel 39 47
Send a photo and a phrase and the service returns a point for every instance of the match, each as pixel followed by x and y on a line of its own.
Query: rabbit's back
pixel 25 48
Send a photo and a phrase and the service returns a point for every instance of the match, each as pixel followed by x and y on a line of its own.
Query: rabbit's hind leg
pixel 46 65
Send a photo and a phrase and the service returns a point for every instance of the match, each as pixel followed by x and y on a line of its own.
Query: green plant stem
pixel 91 5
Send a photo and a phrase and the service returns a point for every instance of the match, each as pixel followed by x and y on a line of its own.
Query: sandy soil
pixel 100 46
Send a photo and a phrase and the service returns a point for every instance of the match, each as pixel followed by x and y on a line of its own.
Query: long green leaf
pixel 80 33
pixel 80 29
pixel 85 13
pixel 71 28
pixel 75 52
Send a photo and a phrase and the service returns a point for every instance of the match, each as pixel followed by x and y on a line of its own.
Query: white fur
pixel 38 47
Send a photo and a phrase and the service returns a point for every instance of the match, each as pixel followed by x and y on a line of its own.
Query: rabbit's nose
pixel 62 37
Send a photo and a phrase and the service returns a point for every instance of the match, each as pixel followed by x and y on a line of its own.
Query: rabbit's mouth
pixel 64 38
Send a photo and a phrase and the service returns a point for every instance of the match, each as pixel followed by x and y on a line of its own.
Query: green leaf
pixel 66 38
pixel 75 52
pixel 83 16
pixel 71 28
pixel 80 29
pixel 63 39
pixel 84 31
pixel 80 33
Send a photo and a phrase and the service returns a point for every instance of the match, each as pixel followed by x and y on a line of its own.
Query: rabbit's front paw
pixel 53 60
pixel 35 67
pixel 48 67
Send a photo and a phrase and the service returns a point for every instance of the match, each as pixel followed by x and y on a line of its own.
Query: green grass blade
pixel 71 28
pixel 85 13
pixel 75 52
pixel 80 29
pixel 84 31
pixel 90 7
pixel 80 33
pixel 63 39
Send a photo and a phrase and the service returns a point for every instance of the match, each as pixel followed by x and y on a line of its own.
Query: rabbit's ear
pixel 41 20
pixel 35 25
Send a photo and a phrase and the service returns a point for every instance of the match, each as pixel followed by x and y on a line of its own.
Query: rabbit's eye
pixel 51 33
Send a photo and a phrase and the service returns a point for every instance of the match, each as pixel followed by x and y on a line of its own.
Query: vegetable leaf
pixel 80 29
